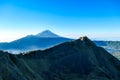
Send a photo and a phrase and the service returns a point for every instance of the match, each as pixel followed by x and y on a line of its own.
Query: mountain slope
pixel 43 40
pixel 76 60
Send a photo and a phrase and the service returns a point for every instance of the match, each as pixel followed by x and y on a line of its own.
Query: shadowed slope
pixel 76 60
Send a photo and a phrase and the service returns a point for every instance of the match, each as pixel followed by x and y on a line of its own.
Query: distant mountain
pixel 111 46
pixel 47 39
pixel 47 34
pixel 76 60
pixel 42 40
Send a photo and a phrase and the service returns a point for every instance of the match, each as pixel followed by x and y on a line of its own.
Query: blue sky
pixel 98 19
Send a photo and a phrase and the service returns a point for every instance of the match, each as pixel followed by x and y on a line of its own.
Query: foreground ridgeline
pixel 74 60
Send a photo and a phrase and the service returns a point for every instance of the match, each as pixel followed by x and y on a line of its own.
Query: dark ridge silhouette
pixel 74 60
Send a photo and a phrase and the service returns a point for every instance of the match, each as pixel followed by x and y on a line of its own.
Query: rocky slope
pixel 75 60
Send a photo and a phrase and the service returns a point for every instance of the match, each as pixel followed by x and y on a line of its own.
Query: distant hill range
pixel 74 60
pixel 42 40
pixel 110 46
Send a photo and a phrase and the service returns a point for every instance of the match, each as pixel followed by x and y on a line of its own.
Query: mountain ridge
pixel 36 42
pixel 73 60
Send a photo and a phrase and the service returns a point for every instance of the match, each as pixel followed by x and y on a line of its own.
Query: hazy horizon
pixel 99 20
